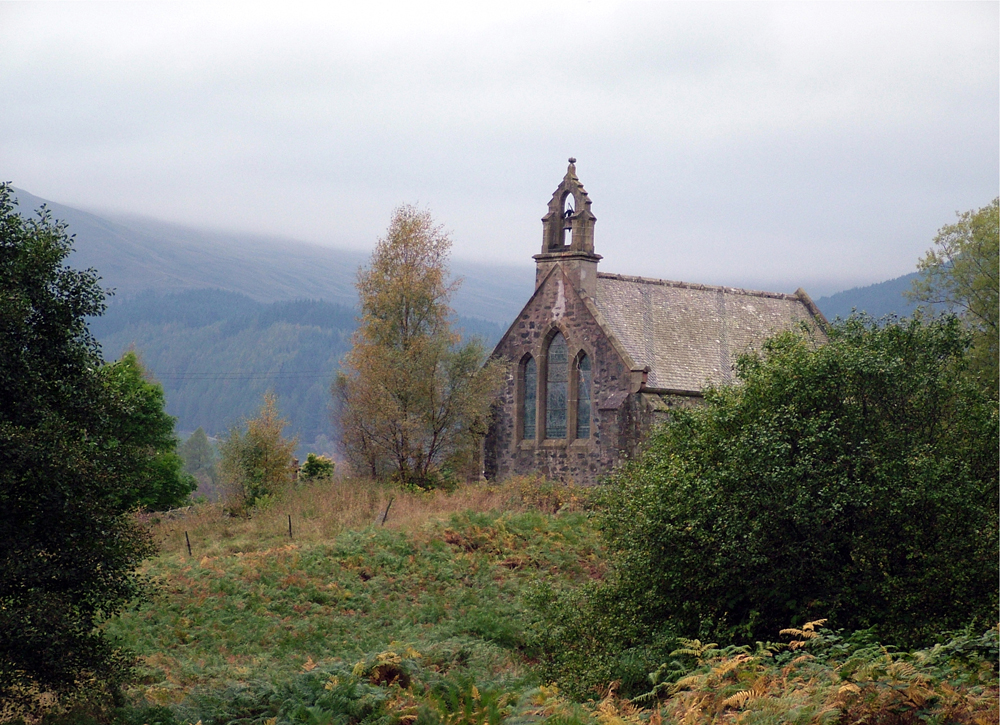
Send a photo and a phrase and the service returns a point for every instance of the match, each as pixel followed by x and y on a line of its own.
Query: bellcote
pixel 569 224
pixel 568 235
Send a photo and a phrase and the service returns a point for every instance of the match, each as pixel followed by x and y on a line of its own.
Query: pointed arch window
pixel 583 407
pixel 529 398
pixel 556 387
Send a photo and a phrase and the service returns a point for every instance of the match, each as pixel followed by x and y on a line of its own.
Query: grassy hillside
pixel 431 619
pixel 255 624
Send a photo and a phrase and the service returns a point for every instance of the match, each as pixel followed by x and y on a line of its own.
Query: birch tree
pixel 412 400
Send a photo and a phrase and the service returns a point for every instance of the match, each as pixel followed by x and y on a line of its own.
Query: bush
pixel 854 480
pixel 316 467
pixel 257 465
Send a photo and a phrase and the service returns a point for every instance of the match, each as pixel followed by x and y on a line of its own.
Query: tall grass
pixel 322 510
pixel 424 621
pixel 252 611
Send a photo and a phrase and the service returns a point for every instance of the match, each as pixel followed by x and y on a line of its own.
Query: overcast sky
pixel 763 145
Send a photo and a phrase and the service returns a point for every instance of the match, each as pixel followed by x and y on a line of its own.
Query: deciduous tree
pixel 316 467
pixel 72 467
pixel 257 464
pixel 962 273
pixel 411 398
pixel 153 470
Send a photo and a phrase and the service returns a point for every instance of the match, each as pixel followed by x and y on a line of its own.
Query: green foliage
pixel 855 480
pixel 316 467
pixel 593 636
pixel 73 464
pixel 962 274
pixel 257 464
pixel 156 476
pixel 200 460
pixel 412 401
pixel 197 453
pixel 379 626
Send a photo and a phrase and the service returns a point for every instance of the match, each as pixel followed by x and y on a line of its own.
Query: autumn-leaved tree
pixel 412 400
pixel 961 273
pixel 256 464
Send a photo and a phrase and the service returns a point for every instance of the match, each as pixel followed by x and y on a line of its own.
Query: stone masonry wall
pixel 556 306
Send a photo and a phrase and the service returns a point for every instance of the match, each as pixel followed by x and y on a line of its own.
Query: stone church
pixel 598 358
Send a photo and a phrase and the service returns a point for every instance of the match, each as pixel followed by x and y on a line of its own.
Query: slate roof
pixel 690 334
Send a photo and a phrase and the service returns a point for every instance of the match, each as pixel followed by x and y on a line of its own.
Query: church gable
pixel 552 415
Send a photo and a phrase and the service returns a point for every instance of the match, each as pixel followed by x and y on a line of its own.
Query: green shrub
pixel 316 467
pixel 854 480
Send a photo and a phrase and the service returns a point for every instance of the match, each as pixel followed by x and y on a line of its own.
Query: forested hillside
pixel 217 352
pixel 219 319
pixel 878 300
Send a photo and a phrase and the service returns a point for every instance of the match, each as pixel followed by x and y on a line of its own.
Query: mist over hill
pixel 221 319
pixel 135 255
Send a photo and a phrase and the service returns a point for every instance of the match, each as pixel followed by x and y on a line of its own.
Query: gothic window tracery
pixel 556 387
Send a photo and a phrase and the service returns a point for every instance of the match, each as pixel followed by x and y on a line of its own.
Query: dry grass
pixel 321 510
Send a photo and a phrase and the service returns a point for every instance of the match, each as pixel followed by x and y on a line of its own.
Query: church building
pixel 596 359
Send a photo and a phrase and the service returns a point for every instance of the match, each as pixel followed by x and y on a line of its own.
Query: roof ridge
pixel 696 286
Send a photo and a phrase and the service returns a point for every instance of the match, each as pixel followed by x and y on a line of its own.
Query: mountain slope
pixel 878 300
pixel 135 255
pixel 220 318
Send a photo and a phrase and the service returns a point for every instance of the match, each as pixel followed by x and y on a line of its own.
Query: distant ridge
pixel 136 255
pixel 878 300
pixel 221 318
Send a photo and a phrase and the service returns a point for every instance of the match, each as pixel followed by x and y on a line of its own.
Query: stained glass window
pixel 583 396
pixel 557 381
pixel 530 398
